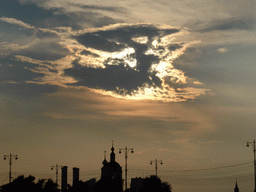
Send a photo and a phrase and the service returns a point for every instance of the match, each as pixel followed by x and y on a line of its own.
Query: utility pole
pixel 126 150
pixel 10 158
pixel 56 168
pixel 254 149
pixel 156 162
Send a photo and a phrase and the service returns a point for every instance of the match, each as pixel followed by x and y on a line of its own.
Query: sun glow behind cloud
pixel 150 56
pixel 129 61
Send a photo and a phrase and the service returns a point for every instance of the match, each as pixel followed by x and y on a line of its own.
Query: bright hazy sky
pixel 173 79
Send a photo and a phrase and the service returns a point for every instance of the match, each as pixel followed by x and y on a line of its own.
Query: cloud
pixel 234 23
pixel 99 8
pixel 222 50
pixel 133 61
pixel 6 47
pixel 26 90
pixel 65 14
pixel 16 22
pixel 129 61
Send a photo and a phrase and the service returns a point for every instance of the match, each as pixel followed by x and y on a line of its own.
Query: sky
pixel 172 79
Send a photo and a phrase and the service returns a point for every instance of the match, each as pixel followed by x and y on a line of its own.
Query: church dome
pixel 104 162
pixel 113 164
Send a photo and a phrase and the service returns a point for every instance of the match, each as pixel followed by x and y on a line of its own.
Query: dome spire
pixel 236 189
pixel 104 162
pixel 112 154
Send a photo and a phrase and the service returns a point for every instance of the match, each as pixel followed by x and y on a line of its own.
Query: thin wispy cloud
pixel 222 50
pixel 16 22
pixel 245 23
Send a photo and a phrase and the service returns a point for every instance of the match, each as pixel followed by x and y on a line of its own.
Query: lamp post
pixel 57 168
pixel 253 144
pixel 10 158
pixel 126 150
pixel 156 162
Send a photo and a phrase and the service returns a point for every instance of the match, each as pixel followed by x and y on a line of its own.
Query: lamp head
pixel 132 151
pixel 16 158
pixel 120 151
pixel 4 158
pixel 247 145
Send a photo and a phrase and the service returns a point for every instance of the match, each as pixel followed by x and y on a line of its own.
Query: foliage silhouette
pixel 154 184
pixel 28 184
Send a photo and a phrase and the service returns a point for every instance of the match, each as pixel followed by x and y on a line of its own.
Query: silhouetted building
pixel 236 189
pixel 64 178
pixel 75 175
pixel 112 169
pixel 90 183
pixel 111 175
pixel 136 184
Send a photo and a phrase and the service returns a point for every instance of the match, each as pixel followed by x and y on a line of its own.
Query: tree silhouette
pixel 50 186
pixel 28 184
pixel 79 186
pixel 154 184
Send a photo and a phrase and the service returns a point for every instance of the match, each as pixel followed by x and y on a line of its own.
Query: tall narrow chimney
pixel 64 178
pixel 75 175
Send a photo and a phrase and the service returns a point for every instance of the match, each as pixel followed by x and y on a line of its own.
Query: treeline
pixel 28 184
pixel 154 184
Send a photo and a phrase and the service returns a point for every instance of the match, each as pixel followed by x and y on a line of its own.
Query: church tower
pixel 236 189
pixel 111 169
pixel 111 175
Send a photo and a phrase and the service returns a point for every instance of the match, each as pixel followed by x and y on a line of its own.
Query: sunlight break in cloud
pixel 132 62
pixel 129 61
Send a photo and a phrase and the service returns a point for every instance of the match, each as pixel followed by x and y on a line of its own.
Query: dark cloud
pixel 12 70
pixel 77 20
pixel 125 34
pixel 44 51
pixel 14 78
pixel 35 14
pixel 117 75
pixel 117 39
pixel 98 42
pixel 29 12
pixel 111 77
pixel 174 47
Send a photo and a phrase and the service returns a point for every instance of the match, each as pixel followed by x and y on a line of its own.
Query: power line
pixel 188 170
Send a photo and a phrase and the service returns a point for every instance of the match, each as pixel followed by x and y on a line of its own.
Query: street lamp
pixel 57 168
pixel 126 150
pixel 253 144
pixel 156 162
pixel 10 158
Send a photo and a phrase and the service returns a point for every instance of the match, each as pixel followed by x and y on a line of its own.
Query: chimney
pixel 64 178
pixel 75 175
